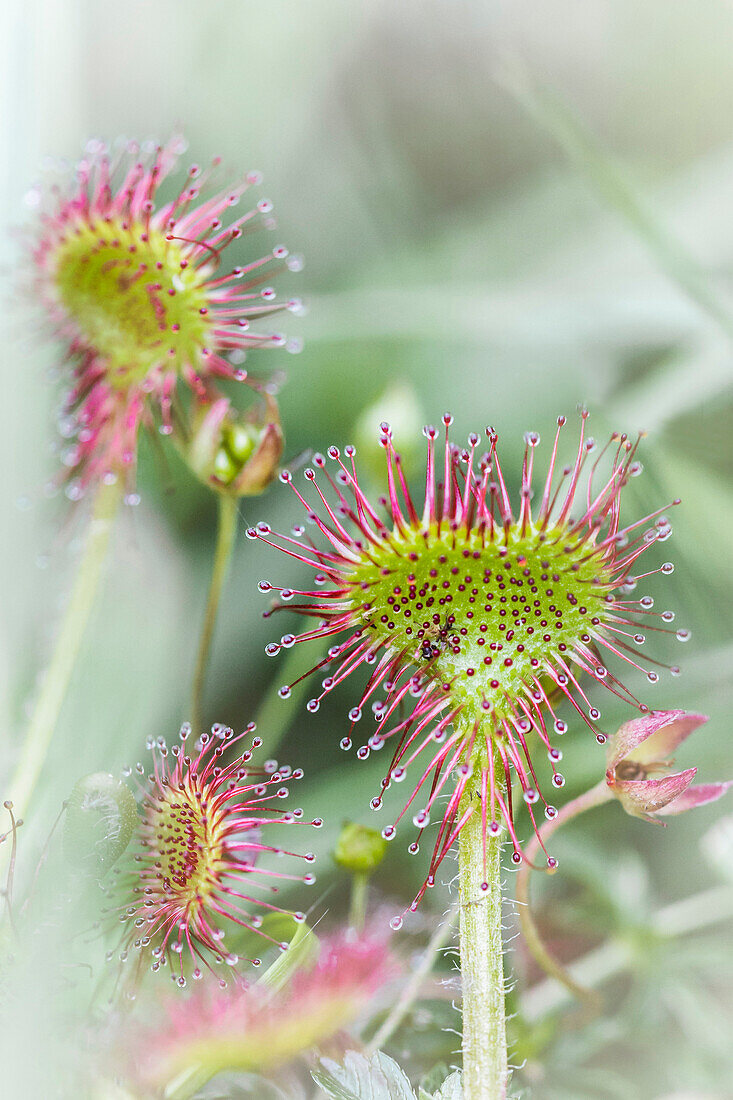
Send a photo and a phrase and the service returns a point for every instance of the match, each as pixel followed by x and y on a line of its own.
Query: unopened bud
pixel 232 452
pixel 359 849
pixel 101 816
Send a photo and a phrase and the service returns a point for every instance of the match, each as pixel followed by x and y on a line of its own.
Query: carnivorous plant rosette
pixel 199 863
pixel 473 618
pixel 133 285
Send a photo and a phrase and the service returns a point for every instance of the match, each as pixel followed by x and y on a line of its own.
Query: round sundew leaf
pixel 485 616
pixel 99 284
pixel 475 620
pixel 132 286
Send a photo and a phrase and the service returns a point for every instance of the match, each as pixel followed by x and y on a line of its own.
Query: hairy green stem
pixel 596 796
pixel 58 674
pixel 225 537
pixel 485 1064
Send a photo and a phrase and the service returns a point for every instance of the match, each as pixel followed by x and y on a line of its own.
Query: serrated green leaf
pixel 432 1081
pixel 451 1089
pixel 331 1087
pixel 360 1078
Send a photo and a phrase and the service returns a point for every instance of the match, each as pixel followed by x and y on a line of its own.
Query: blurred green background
pixel 505 208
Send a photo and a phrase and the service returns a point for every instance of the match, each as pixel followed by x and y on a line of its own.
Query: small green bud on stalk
pixel 359 849
pixel 233 453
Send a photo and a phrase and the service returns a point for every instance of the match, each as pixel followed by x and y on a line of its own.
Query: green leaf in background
pixel 280 928
pixel 360 1078
pixel 332 1088
pixel 243 1086
pixel 433 1080
pixel 449 1089
pixel 380 1078
pixel 302 950
pixel 101 816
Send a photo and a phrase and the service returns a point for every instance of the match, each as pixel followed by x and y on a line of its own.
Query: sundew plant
pixel 366 709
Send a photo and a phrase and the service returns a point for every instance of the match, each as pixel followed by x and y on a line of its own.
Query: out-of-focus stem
pixel 593 797
pixel 56 680
pixel 611 183
pixel 357 907
pixel 275 714
pixel 691 914
pixel 225 537
pixel 438 940
pixel 187 1083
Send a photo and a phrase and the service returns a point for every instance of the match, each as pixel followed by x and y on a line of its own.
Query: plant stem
pixel 187 1083
pixel 692 914
pixel 358 904
pixel 485 1066
pixel 225 536
pixel 438 940
pixel 596 796
pixel 73 626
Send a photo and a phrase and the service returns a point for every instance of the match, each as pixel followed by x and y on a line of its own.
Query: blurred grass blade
pixel 611 183
pixel 685 383
pixel 302 950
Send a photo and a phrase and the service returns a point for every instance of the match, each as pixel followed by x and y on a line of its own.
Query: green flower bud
pixel 359 849
pixel 101 816
pixel 231 452
pixel 241 441
pixel 225 467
